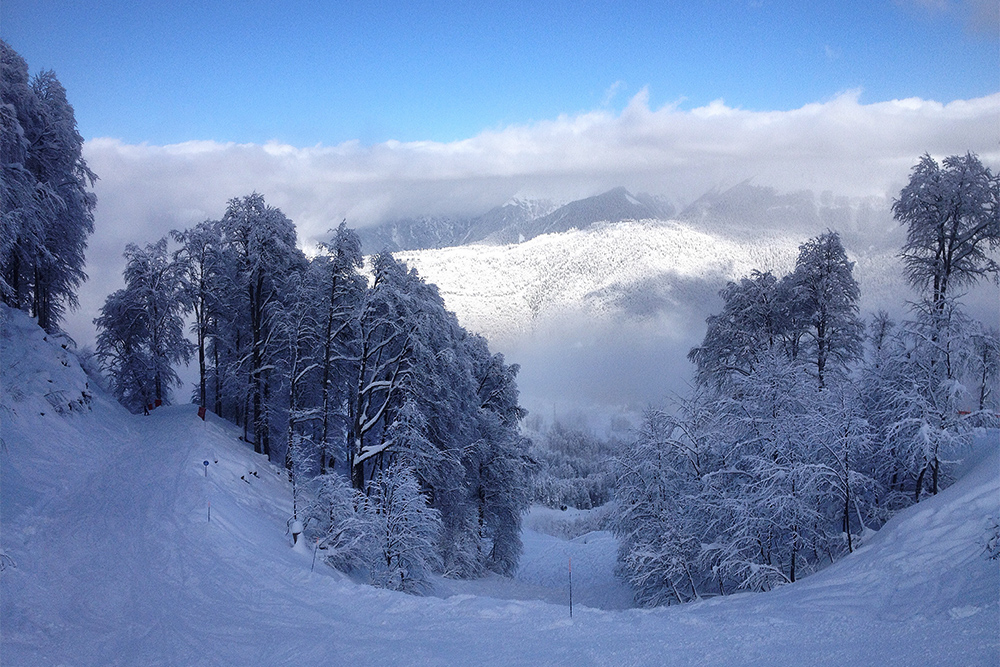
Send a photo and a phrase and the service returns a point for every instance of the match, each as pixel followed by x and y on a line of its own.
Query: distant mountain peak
pixel 517 220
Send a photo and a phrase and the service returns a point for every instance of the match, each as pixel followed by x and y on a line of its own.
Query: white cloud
pixel 840 145
pixel 611 93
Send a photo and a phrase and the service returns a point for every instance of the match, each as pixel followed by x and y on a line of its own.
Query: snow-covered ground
pixel 106 517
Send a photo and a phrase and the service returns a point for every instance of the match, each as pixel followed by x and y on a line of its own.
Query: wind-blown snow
pixel 105 515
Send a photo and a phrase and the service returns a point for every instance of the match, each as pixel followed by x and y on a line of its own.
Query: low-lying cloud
pixel 840 145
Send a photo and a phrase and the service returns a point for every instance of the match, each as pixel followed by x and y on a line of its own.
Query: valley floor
pixel 106 517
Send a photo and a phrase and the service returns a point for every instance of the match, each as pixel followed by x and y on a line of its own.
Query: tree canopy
pixel 47 209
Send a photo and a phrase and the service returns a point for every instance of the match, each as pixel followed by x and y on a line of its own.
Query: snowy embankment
pixel 105 516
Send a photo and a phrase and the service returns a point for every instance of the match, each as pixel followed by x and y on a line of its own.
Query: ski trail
pixel 122 567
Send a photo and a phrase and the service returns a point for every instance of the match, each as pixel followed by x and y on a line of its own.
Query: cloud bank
pixel 840 145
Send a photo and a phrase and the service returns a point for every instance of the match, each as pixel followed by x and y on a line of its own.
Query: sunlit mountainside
pixel 590 275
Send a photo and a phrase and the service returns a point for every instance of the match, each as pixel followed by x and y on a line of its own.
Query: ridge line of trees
pixel 806 427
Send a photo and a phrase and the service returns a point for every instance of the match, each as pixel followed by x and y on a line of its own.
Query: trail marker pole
pixel 206 468
pixel 315 549
pixel 210 511
pixel 571 587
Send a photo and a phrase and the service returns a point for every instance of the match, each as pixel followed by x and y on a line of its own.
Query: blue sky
pixel 307 73
pixel 370 111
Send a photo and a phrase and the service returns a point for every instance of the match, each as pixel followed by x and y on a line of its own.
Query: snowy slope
pixel 106 516
pixel 603 318
pixel 631 269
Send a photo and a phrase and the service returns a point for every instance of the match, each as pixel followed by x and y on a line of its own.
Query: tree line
pixel 359 382
pixel 807 426
pixel 47 210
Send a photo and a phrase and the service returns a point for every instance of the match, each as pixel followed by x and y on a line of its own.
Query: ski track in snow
pixel 106 517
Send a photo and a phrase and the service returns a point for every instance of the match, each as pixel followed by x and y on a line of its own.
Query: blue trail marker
pixel 206 468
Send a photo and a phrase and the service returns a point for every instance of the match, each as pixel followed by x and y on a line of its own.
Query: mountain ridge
pixel 741 211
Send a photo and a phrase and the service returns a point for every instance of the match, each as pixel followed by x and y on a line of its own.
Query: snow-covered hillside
pixel 564 305
pixel 632 269
pixel 105 518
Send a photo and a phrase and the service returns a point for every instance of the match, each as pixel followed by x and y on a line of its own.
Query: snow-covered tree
pixel 931 428
pixel 985 365
pixel 497 466
pixel 341 288
pixel 952 214
pixel 883 382
pixel 141 330
pixel 662 516
pixel 762 475
pixel 406 532
pixel 22 212
pixel 200 255
pixel 382 366
pixel 845 456
pixel 769 485
pixel 342 523
pixel 575 468
pixel 826 293
pixel 812 312
pixel 261 242
pixel 296 365
pixel 322 364
pixel 48 209
pixel 748 326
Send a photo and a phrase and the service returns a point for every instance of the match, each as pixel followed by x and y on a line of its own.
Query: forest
pixel 809 424
pixel 362 385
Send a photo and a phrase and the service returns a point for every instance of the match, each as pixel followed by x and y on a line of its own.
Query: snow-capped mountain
pixel 744 210
pixel 516 221
pixel 606 315
pixel 511 216
pixel 613 206
pixel 413 233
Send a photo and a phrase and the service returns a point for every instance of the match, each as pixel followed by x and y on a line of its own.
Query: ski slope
pixel 106 518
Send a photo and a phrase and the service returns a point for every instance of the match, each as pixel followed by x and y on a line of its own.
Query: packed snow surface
pixel 115 562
